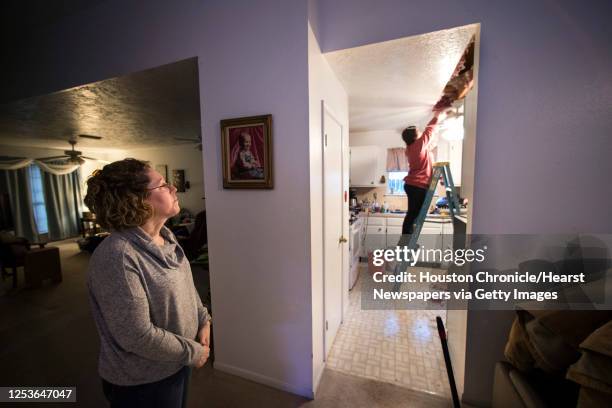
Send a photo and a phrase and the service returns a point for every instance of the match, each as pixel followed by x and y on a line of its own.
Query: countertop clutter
pixel 395 214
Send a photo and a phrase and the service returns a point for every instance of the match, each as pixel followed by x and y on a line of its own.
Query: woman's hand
pixel 204 339
pixel 204 335
pixel 203 357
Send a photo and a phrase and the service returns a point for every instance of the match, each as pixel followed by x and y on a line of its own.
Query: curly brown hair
pixel 117 193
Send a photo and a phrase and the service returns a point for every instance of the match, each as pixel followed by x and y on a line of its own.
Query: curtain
pixel 16 184
pixel 53 168
pixel 13 163
pixel 63 203
pixel 6 214
pixel 396 159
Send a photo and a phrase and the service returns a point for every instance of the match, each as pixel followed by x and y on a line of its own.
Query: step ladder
pixel 441 170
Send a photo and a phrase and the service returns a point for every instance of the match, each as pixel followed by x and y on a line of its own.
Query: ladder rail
pixel 440 169
pixel 417 226
pixel 451 193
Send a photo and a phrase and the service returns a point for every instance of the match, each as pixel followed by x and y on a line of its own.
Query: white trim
pixel 330 111
pixel 317 378
pixel 323 223
pixel 262 379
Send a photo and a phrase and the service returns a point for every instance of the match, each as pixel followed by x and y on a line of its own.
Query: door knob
pixel 343 240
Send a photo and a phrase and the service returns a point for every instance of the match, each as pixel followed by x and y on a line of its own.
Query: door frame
pixel 326 109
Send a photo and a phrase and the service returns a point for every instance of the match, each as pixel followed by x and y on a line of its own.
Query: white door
pixel 332 227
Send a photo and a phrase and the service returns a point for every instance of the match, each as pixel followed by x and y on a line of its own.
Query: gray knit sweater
pixel 145 306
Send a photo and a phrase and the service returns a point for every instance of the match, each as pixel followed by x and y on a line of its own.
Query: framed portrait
pixel 246 148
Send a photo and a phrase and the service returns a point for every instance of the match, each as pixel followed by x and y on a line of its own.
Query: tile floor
pixel 401 347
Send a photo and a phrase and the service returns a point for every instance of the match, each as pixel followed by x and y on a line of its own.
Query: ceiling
pixel 395 83
pixel 390 85
pixel 144 108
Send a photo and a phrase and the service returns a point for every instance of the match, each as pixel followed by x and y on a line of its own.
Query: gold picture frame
pixel 246 149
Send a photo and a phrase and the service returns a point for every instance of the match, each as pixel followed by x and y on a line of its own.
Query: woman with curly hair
pixel 152 324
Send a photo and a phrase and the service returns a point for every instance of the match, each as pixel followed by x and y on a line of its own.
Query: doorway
pixel 387 92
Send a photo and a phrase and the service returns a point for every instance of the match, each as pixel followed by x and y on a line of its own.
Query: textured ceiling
pixel 395 83
pixel 145 108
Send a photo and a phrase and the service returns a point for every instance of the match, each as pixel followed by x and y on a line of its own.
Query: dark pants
pixel 170 392
pixel 416 197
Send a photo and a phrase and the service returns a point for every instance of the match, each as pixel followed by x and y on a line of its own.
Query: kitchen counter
pixel 386 215
pixel 430 217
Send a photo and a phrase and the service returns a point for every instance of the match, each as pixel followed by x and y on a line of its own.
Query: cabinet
pixel 375 238
pixel 385 232
pixel 437 233
pixel 431 235
pixel 394 231
pixel 367 166
pixel 393 235
pixel 381 232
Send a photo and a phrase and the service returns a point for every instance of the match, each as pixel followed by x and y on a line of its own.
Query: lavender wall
pixel 544 124
pixel 253 60
pixel 256 62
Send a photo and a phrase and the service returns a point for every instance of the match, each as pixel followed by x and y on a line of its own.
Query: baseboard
pixel 317 380
pixel 262 379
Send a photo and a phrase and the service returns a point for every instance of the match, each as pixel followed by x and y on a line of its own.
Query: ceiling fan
pixel 197 141
pixel 74 156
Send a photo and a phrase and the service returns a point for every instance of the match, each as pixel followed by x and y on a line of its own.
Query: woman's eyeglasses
pixel 165 185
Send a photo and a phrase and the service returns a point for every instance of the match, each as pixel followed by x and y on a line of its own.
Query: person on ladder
pixel 420 169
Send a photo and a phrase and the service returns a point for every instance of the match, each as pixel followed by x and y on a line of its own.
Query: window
pixel 38 200
pixel 395 182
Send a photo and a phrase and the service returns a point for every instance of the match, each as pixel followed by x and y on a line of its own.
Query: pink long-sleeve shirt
pixel 419 159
